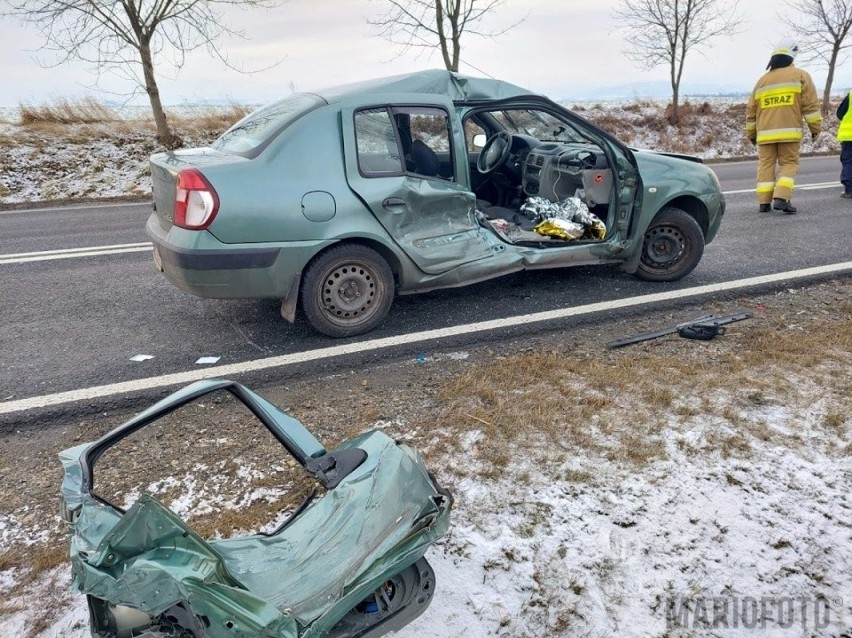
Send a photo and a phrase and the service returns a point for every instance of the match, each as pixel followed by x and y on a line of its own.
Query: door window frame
pixel 407 109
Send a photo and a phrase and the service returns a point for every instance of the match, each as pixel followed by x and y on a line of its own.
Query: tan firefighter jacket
pixel 781 99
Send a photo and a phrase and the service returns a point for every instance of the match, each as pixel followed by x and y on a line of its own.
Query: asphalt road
pixel 75 323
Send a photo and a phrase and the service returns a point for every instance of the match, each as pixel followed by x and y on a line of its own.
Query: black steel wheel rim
pixel 350 293
pixel 664 248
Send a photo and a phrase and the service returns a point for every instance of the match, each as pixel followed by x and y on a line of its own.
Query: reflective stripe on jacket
pixel 844 131
pixel 781 99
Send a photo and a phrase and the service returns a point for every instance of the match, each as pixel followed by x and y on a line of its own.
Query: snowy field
pixel 54 162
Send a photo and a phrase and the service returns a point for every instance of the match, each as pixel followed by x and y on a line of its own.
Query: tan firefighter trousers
pixel 786 155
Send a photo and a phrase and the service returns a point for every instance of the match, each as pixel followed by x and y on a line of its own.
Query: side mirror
pixel 479 140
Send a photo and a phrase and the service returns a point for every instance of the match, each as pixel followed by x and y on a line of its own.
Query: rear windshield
pixel 249 135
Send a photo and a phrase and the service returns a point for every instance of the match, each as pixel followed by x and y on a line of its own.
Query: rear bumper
pixel 174 258
pixel 198 263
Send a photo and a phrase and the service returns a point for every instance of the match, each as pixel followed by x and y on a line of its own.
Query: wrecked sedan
pixel 336 201
pixel 347 564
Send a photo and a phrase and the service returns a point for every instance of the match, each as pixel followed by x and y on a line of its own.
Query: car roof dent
pixel 457 87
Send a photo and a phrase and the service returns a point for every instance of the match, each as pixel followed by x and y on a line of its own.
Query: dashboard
pixel 558 171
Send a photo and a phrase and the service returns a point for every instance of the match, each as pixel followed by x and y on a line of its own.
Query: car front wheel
pixel 347 291
pixel 672 247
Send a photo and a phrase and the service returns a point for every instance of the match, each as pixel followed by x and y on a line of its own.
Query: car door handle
pixel 393 202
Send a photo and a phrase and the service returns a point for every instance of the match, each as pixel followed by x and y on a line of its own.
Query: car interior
pixel 509 166
pixel 419 156
pixel 526 166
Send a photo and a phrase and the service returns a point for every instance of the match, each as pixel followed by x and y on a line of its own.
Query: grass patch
pixel 209 120
pixel 46 558
pixel 81 111
pixel 14 557
pixel 616 405
pixel 229 523
pixel 7 609
pixel 33 561
pixel 78 122
pixel 834 420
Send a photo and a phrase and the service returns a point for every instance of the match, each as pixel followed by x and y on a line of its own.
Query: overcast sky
pixel 563 48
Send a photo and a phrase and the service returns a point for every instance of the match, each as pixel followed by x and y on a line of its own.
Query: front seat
pixel 424 159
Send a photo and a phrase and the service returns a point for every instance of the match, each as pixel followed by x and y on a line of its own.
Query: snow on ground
pixel 69 625
pixel 555 551
pixel 108 159
pixel 607 558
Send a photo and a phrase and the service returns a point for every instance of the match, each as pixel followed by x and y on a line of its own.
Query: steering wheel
pixel 495 153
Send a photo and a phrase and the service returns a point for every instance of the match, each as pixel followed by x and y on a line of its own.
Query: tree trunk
pixel 826 94
pixel 456 53
pixel 674 116
pixel 164 134
pixel 442 36
pixel 453 16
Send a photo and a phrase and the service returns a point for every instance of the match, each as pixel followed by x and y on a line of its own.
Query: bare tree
pixel 437 23
pixel 127 35
pixel 822 29
pixel 664 32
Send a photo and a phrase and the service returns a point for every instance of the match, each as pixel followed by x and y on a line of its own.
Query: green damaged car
pixel 336 201
pixel 347 564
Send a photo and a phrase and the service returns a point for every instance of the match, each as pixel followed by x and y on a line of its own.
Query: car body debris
pixel 347 564
pixel 703 329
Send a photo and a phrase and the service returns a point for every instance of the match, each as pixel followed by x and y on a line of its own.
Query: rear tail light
pixel 196 202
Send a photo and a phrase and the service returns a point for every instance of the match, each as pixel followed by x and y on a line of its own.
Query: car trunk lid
pixel 164 171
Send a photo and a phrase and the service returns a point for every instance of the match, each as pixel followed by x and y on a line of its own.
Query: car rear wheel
pixel 347 291
pixel 672 247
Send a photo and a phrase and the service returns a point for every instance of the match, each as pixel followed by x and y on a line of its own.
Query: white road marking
pixel 798 187
pixel 228 370
pixel 68 253
pixel 58 209
pixel 147 244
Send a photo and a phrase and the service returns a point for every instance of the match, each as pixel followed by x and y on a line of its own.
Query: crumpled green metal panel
pixel 150 560
pixel 297 583
pixel 385 516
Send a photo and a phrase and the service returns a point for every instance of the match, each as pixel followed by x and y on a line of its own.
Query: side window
pixel 414 140
pixel 378 150
pixel 424 134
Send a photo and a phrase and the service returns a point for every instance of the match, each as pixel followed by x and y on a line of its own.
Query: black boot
pixel 784 206
pixel 764 208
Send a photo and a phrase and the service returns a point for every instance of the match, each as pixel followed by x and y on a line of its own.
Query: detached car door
pixel 403 163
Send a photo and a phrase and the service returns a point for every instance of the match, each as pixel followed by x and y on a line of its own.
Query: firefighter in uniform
pixel 844 136
pixel 783 97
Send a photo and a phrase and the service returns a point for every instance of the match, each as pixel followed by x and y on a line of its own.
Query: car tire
pixel 347 291
pixel 672 246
